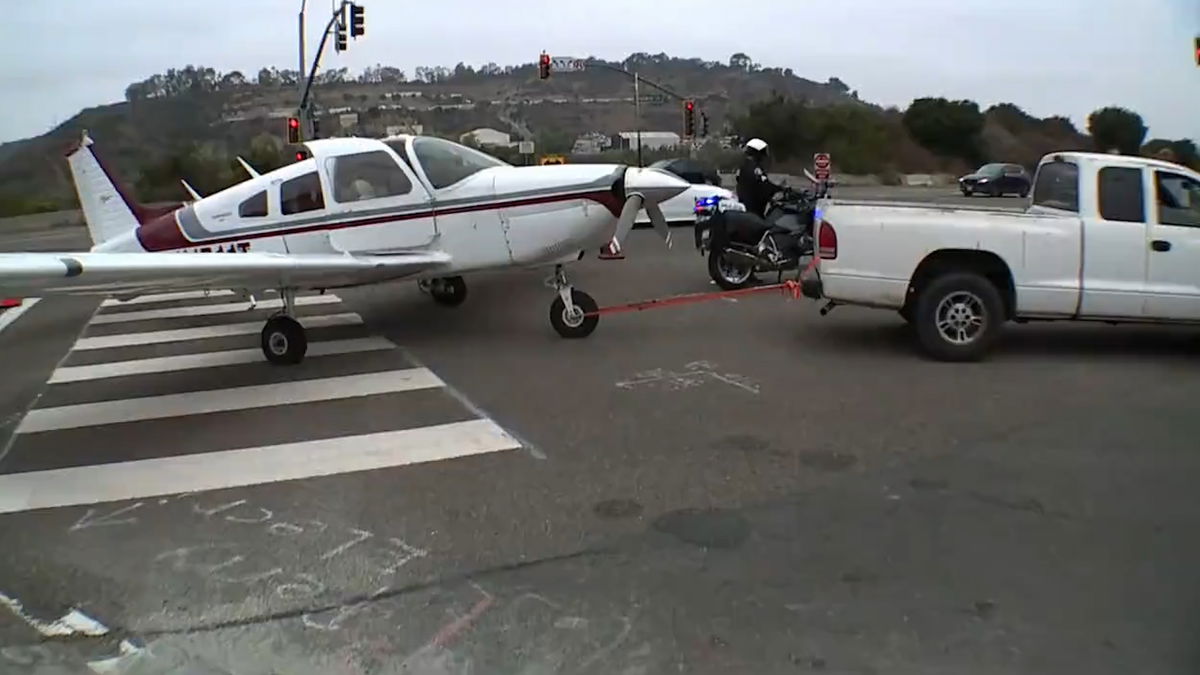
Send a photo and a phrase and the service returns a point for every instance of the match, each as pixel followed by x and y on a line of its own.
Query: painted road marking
pixel 223 330
pixel 166 364
pixel 8 316
pixel 219 400
pixel 164 297
pixel 71 623
pixel 207 310
pixel 249 466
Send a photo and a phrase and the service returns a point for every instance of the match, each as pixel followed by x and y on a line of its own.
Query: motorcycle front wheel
pixel 729 275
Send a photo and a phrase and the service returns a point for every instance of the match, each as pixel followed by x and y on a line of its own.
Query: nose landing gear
pixel 573 312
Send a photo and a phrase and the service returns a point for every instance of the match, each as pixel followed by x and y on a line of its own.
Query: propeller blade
pixel 659 221
pixel 628 214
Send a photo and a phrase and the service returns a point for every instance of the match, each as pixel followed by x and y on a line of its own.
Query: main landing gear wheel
pixel 448 291
pixel 574 321
pixel 284 341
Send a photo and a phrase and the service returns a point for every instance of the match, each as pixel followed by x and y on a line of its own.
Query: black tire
pixel 448 291
pixel 574 327
pixel 714 272
pixel 958 296
pixel 967 192
pixel 284 341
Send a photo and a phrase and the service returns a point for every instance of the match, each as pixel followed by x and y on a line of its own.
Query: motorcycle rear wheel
pixel 730 276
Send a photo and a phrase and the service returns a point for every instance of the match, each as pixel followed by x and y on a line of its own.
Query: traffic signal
pixel 358 22
pixel 293 130
pixel 544 66
pixel 704 125
pixel 339 37
pixel 316 127
pixel 689 118
pixel 1197 46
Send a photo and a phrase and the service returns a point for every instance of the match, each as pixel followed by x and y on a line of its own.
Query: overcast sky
pixel 1048 56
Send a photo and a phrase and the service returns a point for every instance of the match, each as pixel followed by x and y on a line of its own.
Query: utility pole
pixel 637 116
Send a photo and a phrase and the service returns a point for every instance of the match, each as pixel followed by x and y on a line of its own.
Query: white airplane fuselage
pixel 496 217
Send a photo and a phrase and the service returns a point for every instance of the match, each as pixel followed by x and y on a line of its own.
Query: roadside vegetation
pixel 190 123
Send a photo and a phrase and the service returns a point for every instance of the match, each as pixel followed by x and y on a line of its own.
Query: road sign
pixel 525 147
pixel 347 120
pixel 821 165
pixel 566 64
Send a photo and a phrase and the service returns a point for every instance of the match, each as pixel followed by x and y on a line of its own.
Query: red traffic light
pixel 690 105
pixel 293 130
pixel 544 66
pixel 293 123
pixel 300 156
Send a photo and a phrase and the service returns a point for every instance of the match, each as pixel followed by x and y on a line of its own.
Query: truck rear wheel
pixel 958 316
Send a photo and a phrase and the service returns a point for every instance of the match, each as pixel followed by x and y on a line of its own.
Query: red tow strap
pixel 789 287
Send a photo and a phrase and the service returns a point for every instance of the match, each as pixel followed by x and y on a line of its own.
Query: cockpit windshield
pixel 445 162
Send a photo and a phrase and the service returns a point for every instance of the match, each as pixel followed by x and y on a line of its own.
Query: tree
pixel 1182 151
pixel 740 61
pixel 949 128
pixel 1116 128
pixel 267 78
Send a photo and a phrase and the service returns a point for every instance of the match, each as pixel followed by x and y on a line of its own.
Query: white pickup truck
pixel 1106 238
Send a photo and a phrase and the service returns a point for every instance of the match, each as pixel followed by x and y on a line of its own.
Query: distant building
pixel 651 140
pixel 484 137
pixel 591 143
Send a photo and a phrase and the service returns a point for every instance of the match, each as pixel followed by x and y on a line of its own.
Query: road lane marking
pixel 222 330
pixel 207 310
pixel 71 623
pixel 220 400
pixel 10 315
pixel 165 364
pixel 249 466
pixel 164 297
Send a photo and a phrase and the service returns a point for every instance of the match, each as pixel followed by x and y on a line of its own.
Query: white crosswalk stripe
pixel 365 406
pixel 208 310
pixel 164 364
pixel 221 330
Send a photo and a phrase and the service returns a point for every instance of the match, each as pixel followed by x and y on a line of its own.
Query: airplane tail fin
pixel 107 209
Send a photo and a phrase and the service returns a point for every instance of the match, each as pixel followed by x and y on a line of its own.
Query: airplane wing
pixel 130 274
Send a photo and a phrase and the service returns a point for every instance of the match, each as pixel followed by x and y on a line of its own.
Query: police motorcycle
pixel 739 244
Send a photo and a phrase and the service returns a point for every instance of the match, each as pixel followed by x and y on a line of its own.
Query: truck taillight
pixel 827 241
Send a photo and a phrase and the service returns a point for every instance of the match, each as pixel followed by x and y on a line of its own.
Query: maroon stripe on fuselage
pixel 164 234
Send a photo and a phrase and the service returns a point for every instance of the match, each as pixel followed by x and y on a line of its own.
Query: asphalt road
pixel 735 486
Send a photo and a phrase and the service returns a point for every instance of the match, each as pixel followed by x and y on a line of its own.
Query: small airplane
pixel 357 211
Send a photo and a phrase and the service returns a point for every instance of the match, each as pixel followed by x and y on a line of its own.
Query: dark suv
pixel 996 180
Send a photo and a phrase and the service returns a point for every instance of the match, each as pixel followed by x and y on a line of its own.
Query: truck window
pixel 1057 186
pixel 1121 195
pixel 1178 199
pixel 301 194
pixel 368 175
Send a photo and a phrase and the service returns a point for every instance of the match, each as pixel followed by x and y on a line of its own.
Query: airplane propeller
pixel 644 190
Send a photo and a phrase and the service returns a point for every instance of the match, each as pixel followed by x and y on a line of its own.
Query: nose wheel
pixel 572 312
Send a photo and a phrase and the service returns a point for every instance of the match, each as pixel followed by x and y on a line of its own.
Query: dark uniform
pixel 754 187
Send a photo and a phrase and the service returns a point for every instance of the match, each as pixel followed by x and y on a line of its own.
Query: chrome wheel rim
pixel 731 272
pixel 573 316
pixel 278 344
pixel 961 318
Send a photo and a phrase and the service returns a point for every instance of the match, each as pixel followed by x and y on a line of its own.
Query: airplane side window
pixel 368 175
pixel 301 194
pixel 254 207
pixel 446 162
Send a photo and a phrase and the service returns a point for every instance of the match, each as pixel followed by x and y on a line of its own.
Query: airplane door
pixel 375 206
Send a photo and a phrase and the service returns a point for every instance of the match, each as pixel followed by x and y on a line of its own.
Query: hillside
pixel 190 122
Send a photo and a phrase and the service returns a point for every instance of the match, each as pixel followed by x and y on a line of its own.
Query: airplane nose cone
pixel 655 185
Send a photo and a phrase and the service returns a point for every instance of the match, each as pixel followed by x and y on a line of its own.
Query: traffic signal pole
pixel 312 73
pixel 300 71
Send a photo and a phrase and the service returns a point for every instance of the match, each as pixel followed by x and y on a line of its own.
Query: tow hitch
pixel 828 307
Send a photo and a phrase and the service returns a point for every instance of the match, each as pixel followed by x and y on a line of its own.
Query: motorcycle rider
pixel 754 186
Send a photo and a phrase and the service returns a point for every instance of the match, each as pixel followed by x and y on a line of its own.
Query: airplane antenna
pixel 249 169
pixel 191 191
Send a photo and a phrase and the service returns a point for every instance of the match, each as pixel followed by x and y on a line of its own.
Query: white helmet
pixel 756 144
